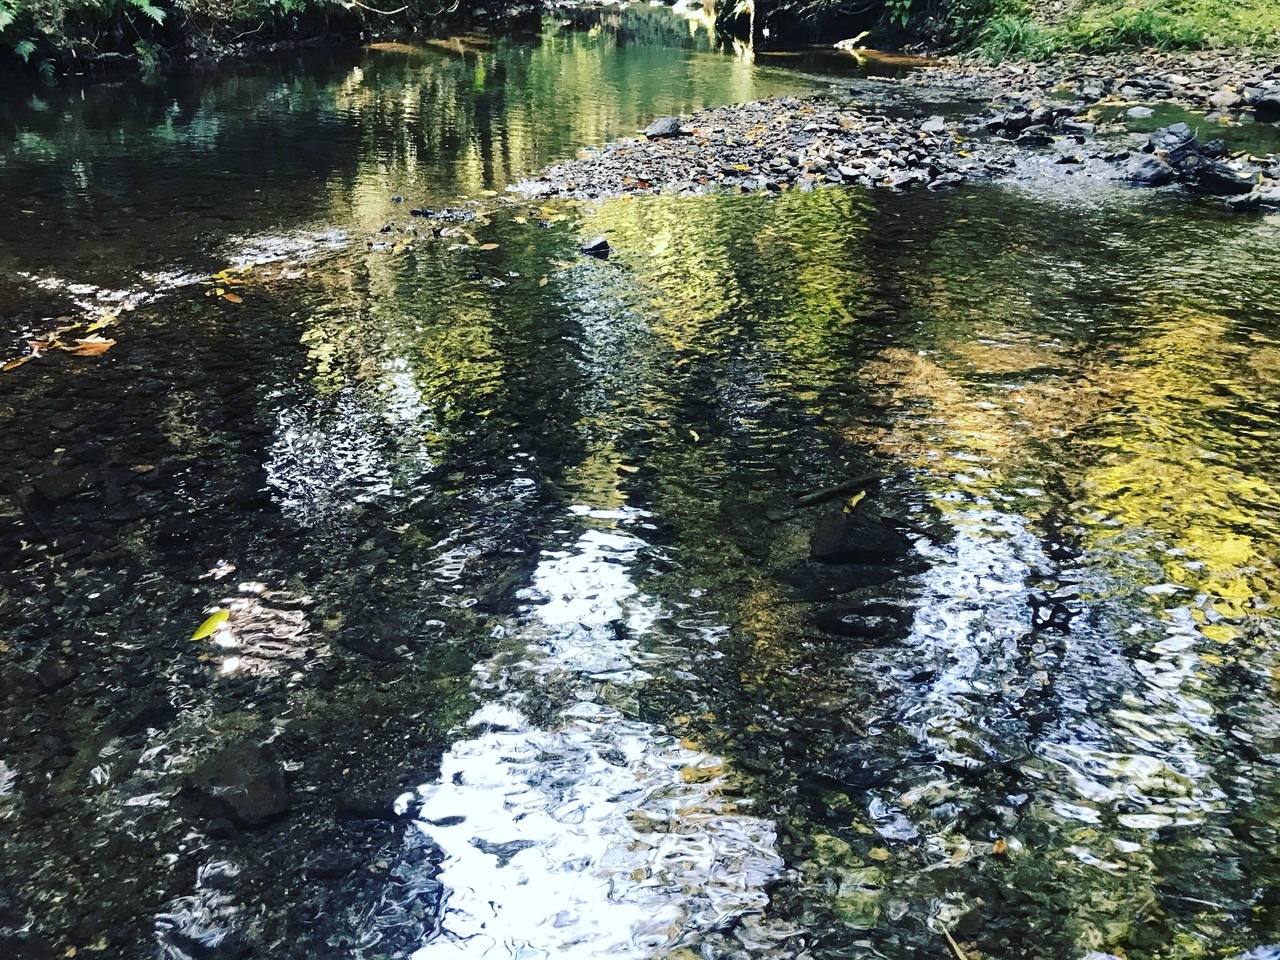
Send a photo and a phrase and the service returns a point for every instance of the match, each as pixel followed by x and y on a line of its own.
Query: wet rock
pixel 243 782
pixel 1150 170
pixel 870 621
pixel 370 637
pixel 663 127
pixel 1174 143
pixel 62 485
pixel 1206 175
pixel 598 247
pixel 855 536
pixel 54 674
pixel 25 945
pixel 375 806
pixel 1267 108
pixel 1245 202
pixel 330 864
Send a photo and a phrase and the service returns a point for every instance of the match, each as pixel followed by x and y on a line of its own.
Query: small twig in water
pixel 955 947
pixel 385 13
pixel 826 493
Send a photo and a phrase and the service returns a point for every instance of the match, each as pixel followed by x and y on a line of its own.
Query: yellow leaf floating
pixel 542 282
pixel 210 626
pixel 488 246
pixel 879 853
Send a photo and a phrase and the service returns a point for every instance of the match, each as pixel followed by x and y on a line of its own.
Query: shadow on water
pixel 533 646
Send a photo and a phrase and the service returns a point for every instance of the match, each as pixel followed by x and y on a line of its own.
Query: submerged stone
pixel 243 782
pixel 856 537
pixel 871 621
pixel 821 582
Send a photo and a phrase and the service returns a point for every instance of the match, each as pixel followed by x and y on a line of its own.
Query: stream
pixel 538 628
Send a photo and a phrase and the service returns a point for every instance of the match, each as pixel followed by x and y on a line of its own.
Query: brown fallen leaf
pixel 233 297
pixel 12 364
pixel 91 346
pixel 1000 847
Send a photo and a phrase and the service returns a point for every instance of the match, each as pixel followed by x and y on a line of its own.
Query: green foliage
pixel 1016 36
pixel 1001 29
pixel 1136 27
pixel 898 11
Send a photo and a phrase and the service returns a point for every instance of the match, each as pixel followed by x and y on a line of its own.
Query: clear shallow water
pixel 527 555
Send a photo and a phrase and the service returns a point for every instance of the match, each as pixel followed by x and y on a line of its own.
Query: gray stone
pixel 663 127
pixel 1174 143
pixel 1149 170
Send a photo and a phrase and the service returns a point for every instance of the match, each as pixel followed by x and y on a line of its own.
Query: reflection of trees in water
pixel 1064 399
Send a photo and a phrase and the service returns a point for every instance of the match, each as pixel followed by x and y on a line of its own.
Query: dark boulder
pixel 598 247
pixel 1210 176
pixel 856 536
pixel 243 782
pixel 663 127
pixel 1267 108
pixel 1150 170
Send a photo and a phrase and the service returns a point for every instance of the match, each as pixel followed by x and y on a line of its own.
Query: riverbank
pixel 1071 118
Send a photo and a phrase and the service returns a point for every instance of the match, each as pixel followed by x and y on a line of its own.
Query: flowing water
pixel 526 654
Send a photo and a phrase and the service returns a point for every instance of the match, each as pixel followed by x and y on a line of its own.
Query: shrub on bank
pixel 81 35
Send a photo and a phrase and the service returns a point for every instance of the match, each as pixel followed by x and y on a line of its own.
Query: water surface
pixel 516 559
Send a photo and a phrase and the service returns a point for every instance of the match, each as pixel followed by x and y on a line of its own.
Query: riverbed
pixel 851 573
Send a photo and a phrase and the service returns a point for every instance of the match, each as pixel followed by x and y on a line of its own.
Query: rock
pixel 1139 113
pixel 598 247
pixel 856 537
pixel 1225 100
pixel 934 125
pixel 1267 109
pixel 1210 176
pixel 243 782
pixel 1150 171
pixel 64 484
pixel 54 674
pixel 1174 143
pixel 1245 202
pixel 663 127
